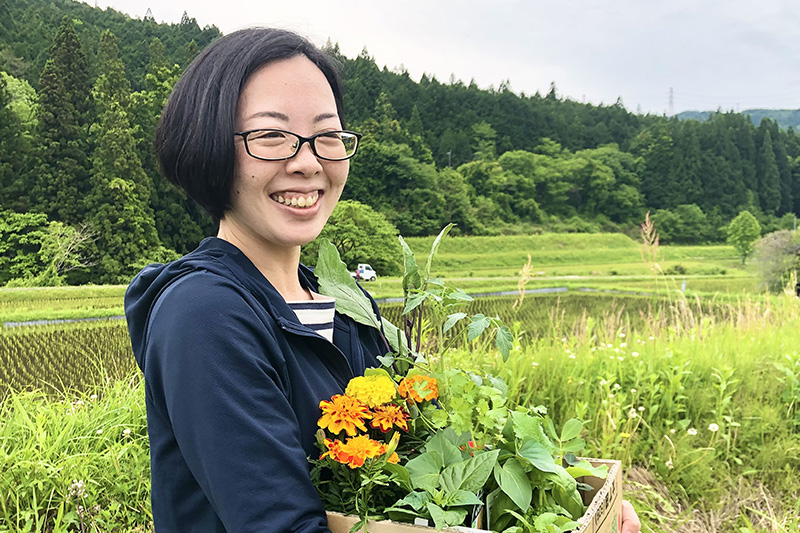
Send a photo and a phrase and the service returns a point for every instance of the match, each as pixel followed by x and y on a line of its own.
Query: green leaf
pixel 470 474
pixel 395 337
pixel 442 518
pixel 575 445
pixel 528 426
pixel 514 482
pixel 335 281
pixel 425 469
pixel 449 451
pixel 498 505
pixel 426 274
pixel 565 493
pixel 585 468
pixel 401 515
pixel 477 326
pixel 414 301
pixel 504 341
pixel 400 475
pixel 571 429
pixel 452 320
pixel 538 456
pixel 463 497
pixel 386 360
pixel 411 275
pixel 415 500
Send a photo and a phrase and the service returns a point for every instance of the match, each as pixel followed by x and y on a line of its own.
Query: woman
pixel 233 378
pixel 235 364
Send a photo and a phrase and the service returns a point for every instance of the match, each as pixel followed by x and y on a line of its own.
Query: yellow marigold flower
pixel 419 388
pixel 372 390
pixel 358 449
pixel 386 416
pixel 343 413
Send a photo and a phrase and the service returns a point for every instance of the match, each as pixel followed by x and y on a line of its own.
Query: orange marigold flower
pixel 343 413
pixel 358 449
pixel 419 388
pixel 333 449
pixel 386 416
pixel 394 458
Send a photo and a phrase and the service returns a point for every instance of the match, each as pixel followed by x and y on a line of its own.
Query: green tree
pixel 118 206
pixel 361 235
pixel 60 180
pixel 743 232
pixel 655 146
pixel 484 141
pixel 685 224
pixel 769 183
pixel 21 236
pixel 14 145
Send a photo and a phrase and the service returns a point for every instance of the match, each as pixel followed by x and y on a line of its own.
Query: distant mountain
pixel 784 117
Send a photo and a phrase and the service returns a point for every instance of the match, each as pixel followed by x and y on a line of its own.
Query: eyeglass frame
pixel 310 140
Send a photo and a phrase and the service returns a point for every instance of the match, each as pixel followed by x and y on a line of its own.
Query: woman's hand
pixel 629 521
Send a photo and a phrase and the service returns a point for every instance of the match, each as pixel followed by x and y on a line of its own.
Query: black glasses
pixel 277 145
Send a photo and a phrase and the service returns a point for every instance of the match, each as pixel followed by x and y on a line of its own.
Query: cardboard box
pixel 604 501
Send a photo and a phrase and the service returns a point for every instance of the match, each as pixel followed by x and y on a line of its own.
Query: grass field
pixel 476 265
pixel 697 392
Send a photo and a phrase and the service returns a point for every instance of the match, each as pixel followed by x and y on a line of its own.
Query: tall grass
pixel 76 463
pixel 703 409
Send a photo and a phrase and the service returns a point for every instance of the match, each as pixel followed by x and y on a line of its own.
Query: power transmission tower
pixel 671 111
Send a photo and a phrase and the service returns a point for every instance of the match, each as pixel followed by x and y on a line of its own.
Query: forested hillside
pixel 82 90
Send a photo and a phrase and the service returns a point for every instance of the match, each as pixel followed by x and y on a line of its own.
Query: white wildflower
pixel 641 408
pixel 633 391
pixel 635 354
pixel 691 431
pixel 77 489
pixel 126 432
pixel 93 397
pixel 621 335
pixel 99 431
pixel 623 344
pixel 713 428
pixel 572 356
pixel 632 413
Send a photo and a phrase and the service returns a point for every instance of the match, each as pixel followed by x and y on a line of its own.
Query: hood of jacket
pixel 212 255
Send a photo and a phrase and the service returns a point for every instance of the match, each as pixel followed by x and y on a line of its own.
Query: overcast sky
pixel 733 54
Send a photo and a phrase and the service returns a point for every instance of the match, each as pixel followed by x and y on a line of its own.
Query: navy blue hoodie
pixel 233 383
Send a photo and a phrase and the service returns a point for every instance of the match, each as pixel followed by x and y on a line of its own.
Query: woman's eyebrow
pixel 270 114
pixel 325 116
pixel 285 118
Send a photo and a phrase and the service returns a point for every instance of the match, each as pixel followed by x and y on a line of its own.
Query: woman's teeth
pixel 297 201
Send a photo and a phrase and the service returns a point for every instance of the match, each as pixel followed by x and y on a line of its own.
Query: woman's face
pixel 294 95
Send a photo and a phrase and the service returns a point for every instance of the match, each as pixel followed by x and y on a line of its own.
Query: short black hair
pixel 194 137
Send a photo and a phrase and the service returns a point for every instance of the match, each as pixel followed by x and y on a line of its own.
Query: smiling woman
pixel 235 354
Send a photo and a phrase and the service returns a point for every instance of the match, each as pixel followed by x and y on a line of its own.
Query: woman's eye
pixel 259 135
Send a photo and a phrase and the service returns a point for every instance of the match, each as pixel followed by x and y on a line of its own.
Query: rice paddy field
pixel 696 391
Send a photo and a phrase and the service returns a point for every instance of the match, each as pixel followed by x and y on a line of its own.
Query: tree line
pixel 82 200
